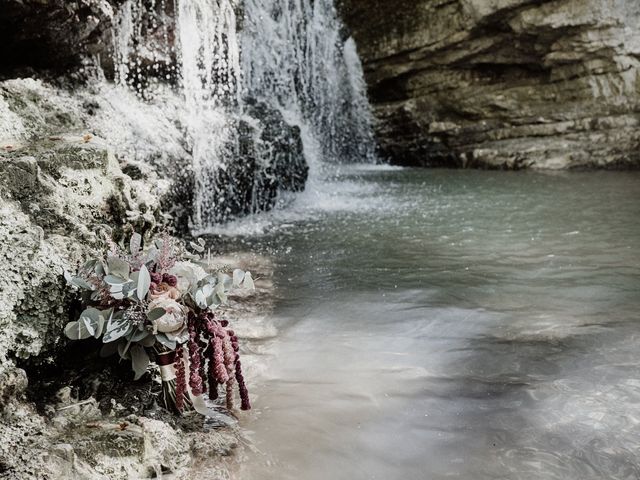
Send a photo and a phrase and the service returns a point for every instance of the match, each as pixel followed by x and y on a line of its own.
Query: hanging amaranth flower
pixel 181 381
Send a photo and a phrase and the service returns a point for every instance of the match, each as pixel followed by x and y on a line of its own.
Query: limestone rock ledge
pixel 61 188
pixel 502 83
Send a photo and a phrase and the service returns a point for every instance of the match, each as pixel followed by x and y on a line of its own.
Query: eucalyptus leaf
pixel 134 243
pixel 136 336
pixel 156 313
pixel 93 321
pixel 144 282
pixel 76 331
pixel 207 289
pixel 117 327
pixel 201 299
pixel 162 338
pixel 196 247
pixel 105 317
pixel 99 269
pixel 225 280
pixel 238 276
pixel 248 282
pixel 139 360
pixel 213 301
pixel 123 348
pixel 148 341
pixel 128 290
pixel 221 293
pixel 80 283
pixel 118 267
pixel 115 280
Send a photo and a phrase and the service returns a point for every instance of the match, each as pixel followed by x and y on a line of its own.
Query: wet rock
pixel 61 188
pixel 269 159
pixel 53 33
pixel 502 84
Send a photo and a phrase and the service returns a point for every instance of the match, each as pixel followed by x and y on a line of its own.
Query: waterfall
pixel 262 103
pixel 209 57
pixel 294 58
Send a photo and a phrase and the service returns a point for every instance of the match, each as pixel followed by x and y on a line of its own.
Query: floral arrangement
pixel 156 304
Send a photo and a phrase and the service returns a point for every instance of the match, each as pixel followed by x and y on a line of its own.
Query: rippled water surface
pixel 451 324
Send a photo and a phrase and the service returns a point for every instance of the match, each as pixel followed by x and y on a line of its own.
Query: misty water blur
pixel 436 324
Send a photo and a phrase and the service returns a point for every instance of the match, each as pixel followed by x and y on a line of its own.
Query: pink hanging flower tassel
pixel 245 404
pixel 230 394
pixel 213 384
pixel 195 381
pixel 181 381
pixel 222 376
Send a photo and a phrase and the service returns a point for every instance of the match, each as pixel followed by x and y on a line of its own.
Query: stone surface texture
pixel 502 83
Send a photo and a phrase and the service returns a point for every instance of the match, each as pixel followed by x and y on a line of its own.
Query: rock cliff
pixel 502 83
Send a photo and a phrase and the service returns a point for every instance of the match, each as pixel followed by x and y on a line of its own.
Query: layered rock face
pixel 502 83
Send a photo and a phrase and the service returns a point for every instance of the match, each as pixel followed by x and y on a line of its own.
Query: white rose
pixel 188 275
pixel 174 317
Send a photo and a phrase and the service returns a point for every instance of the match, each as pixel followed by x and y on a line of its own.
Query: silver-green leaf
pixel 238 276
pixel 93 321
pixel 156 313
pixel 144 282
pixel 76 331
pixel 135 243
pixel 248 282
pixel 139 360
pixel 117 327
pixel 115 280
pixel 162 338
pixel 118 267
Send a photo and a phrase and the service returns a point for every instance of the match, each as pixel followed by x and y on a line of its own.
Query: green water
pixel 451 324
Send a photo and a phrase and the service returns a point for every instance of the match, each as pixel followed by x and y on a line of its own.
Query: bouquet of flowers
pixel 157 304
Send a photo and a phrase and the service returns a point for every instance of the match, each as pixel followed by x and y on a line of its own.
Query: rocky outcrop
pixel 52 34
pixel 75 166
pixel 268 159
pixel 502 83
pixel 62 189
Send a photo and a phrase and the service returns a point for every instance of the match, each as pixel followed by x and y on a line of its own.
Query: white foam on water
pixel 339 194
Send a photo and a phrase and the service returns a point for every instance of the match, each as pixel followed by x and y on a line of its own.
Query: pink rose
pixel 174 317
pixel 164 290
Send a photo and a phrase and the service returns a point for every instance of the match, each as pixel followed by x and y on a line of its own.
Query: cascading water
pixel 209 57
pixel 295 59
pixel 250 98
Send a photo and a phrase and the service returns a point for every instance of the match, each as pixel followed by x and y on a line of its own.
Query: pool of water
pixel 451 324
